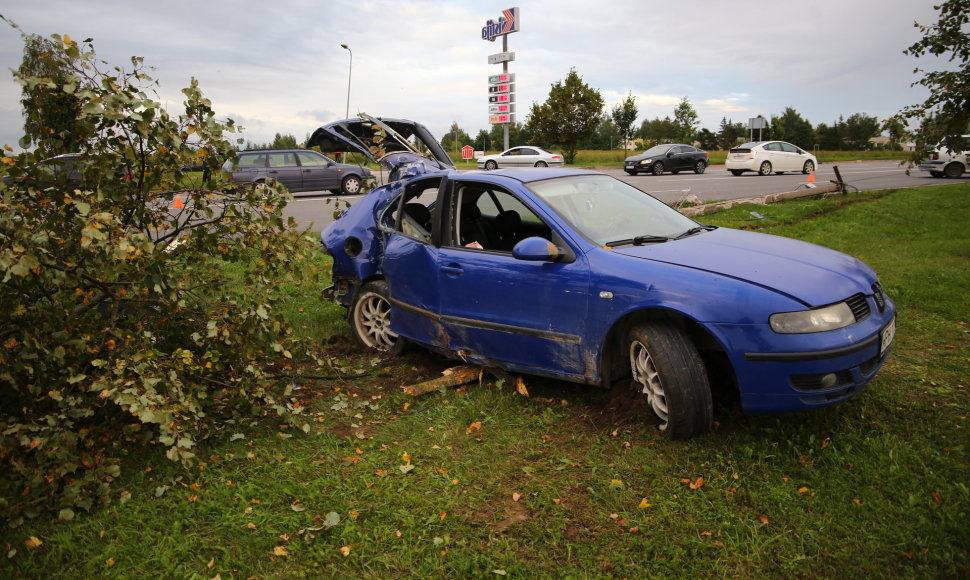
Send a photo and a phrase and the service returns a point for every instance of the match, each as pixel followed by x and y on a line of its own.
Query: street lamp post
pixel 350 71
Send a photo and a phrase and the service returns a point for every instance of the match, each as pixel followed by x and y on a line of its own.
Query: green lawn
pixel 572 482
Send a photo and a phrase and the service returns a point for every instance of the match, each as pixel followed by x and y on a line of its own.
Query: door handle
pixel 453 270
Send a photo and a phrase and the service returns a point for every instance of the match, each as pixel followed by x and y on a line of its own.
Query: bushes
pixel 121 327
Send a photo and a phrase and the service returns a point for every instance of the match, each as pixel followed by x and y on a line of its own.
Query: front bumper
pixel 780 373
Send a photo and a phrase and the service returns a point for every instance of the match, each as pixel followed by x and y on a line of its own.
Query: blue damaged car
pixel 572 274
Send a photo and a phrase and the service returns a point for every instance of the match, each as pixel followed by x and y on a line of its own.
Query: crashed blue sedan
pixel 572 274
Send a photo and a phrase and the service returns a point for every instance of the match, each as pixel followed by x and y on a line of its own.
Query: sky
pixel 278 67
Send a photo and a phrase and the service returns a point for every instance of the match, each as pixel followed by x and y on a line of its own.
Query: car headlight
pixel 818 320
pixel 645 161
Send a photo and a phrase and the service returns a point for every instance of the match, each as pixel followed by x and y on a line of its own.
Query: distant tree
pixel 791 127
pixel 52 115
pixel 945 114
pixel 519 134
pixel 658 131
pixel 897 132
pixel 859 128
pixel 685 121
pixel 570 114
pixel 730 134
pixel 605 137
pixel 830 138
pixel 624 115
pixel 284 142
pixel 455 139
pixel 706 139
pixel 482 140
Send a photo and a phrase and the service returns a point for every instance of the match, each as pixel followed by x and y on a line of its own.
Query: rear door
pixel 283 167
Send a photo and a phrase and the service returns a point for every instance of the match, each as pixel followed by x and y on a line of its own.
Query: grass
pixel 572 482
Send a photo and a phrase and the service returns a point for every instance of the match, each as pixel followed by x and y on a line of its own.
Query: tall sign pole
pixel 501 90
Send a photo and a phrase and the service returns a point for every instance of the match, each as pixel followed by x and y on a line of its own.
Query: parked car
pixel 521 157
pixel 672 157
pixel 298 170
pixel 65 170
pixel 943 162
pixel 576 275
pixel 765 157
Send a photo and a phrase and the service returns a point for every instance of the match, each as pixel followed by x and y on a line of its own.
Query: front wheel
pixel 658 168
pixel 350 185
pixel 668 370
pixel 370 318
pixel 490 165
pixel 765 168
pixel 541 164
pixel 700 167
pixel 808 167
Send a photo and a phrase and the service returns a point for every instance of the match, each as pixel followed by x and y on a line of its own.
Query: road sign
pixel 502 78
pixel 505 98
pixel 493 109
pixel 501 88
pixel 495 119
pixel 467 152
pixel 501 57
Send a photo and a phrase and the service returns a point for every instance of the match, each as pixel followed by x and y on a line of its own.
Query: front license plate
pixel 887 336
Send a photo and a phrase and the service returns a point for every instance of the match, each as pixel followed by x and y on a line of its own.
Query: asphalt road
pixel 715 184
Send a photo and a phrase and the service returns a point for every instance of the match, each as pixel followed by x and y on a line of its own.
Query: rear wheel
pixel 765 168
pixel 953 170
pixel 700 167
pixel 541 164
pixel 658 168
pixel 667 369
pixel 350 185
pixel 370 318
pixel 490 165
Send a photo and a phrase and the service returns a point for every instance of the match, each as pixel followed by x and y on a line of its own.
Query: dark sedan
pixel 672 157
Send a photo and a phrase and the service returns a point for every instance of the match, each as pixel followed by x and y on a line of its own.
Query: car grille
pixel 859 306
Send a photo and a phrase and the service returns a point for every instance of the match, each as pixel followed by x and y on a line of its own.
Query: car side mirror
pixel 536 249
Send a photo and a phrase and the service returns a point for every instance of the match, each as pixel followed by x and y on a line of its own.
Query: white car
pixel 945 163
pixel 521 157
pixel 765 157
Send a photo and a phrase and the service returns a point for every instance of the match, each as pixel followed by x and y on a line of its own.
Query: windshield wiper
pixel 640 240
pixel 695 230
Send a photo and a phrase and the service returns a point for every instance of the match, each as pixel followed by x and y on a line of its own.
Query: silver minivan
pixel 299 170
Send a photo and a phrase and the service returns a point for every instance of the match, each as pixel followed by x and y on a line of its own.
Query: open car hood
pixel 402 147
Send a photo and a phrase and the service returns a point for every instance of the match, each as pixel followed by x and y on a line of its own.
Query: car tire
pixel 700 167
pixel 808 167
pixel 350 185
pixel 668 370
pixel 490 165
pixel 370 319
pixel 541 164
pixel 765 168
pixel 953 170
pixel 657 168
pixel 736 172
pixel 630 172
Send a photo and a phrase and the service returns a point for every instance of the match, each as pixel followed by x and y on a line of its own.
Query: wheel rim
pixel 765 168
pixel 351 185
pixel 540 163
pixel 647 377
pixel 372 320
pixel 491 165
pixel 700 167
pixel 658 168
pixel 808 167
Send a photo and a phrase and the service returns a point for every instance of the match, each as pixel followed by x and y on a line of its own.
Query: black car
pixel 672 157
